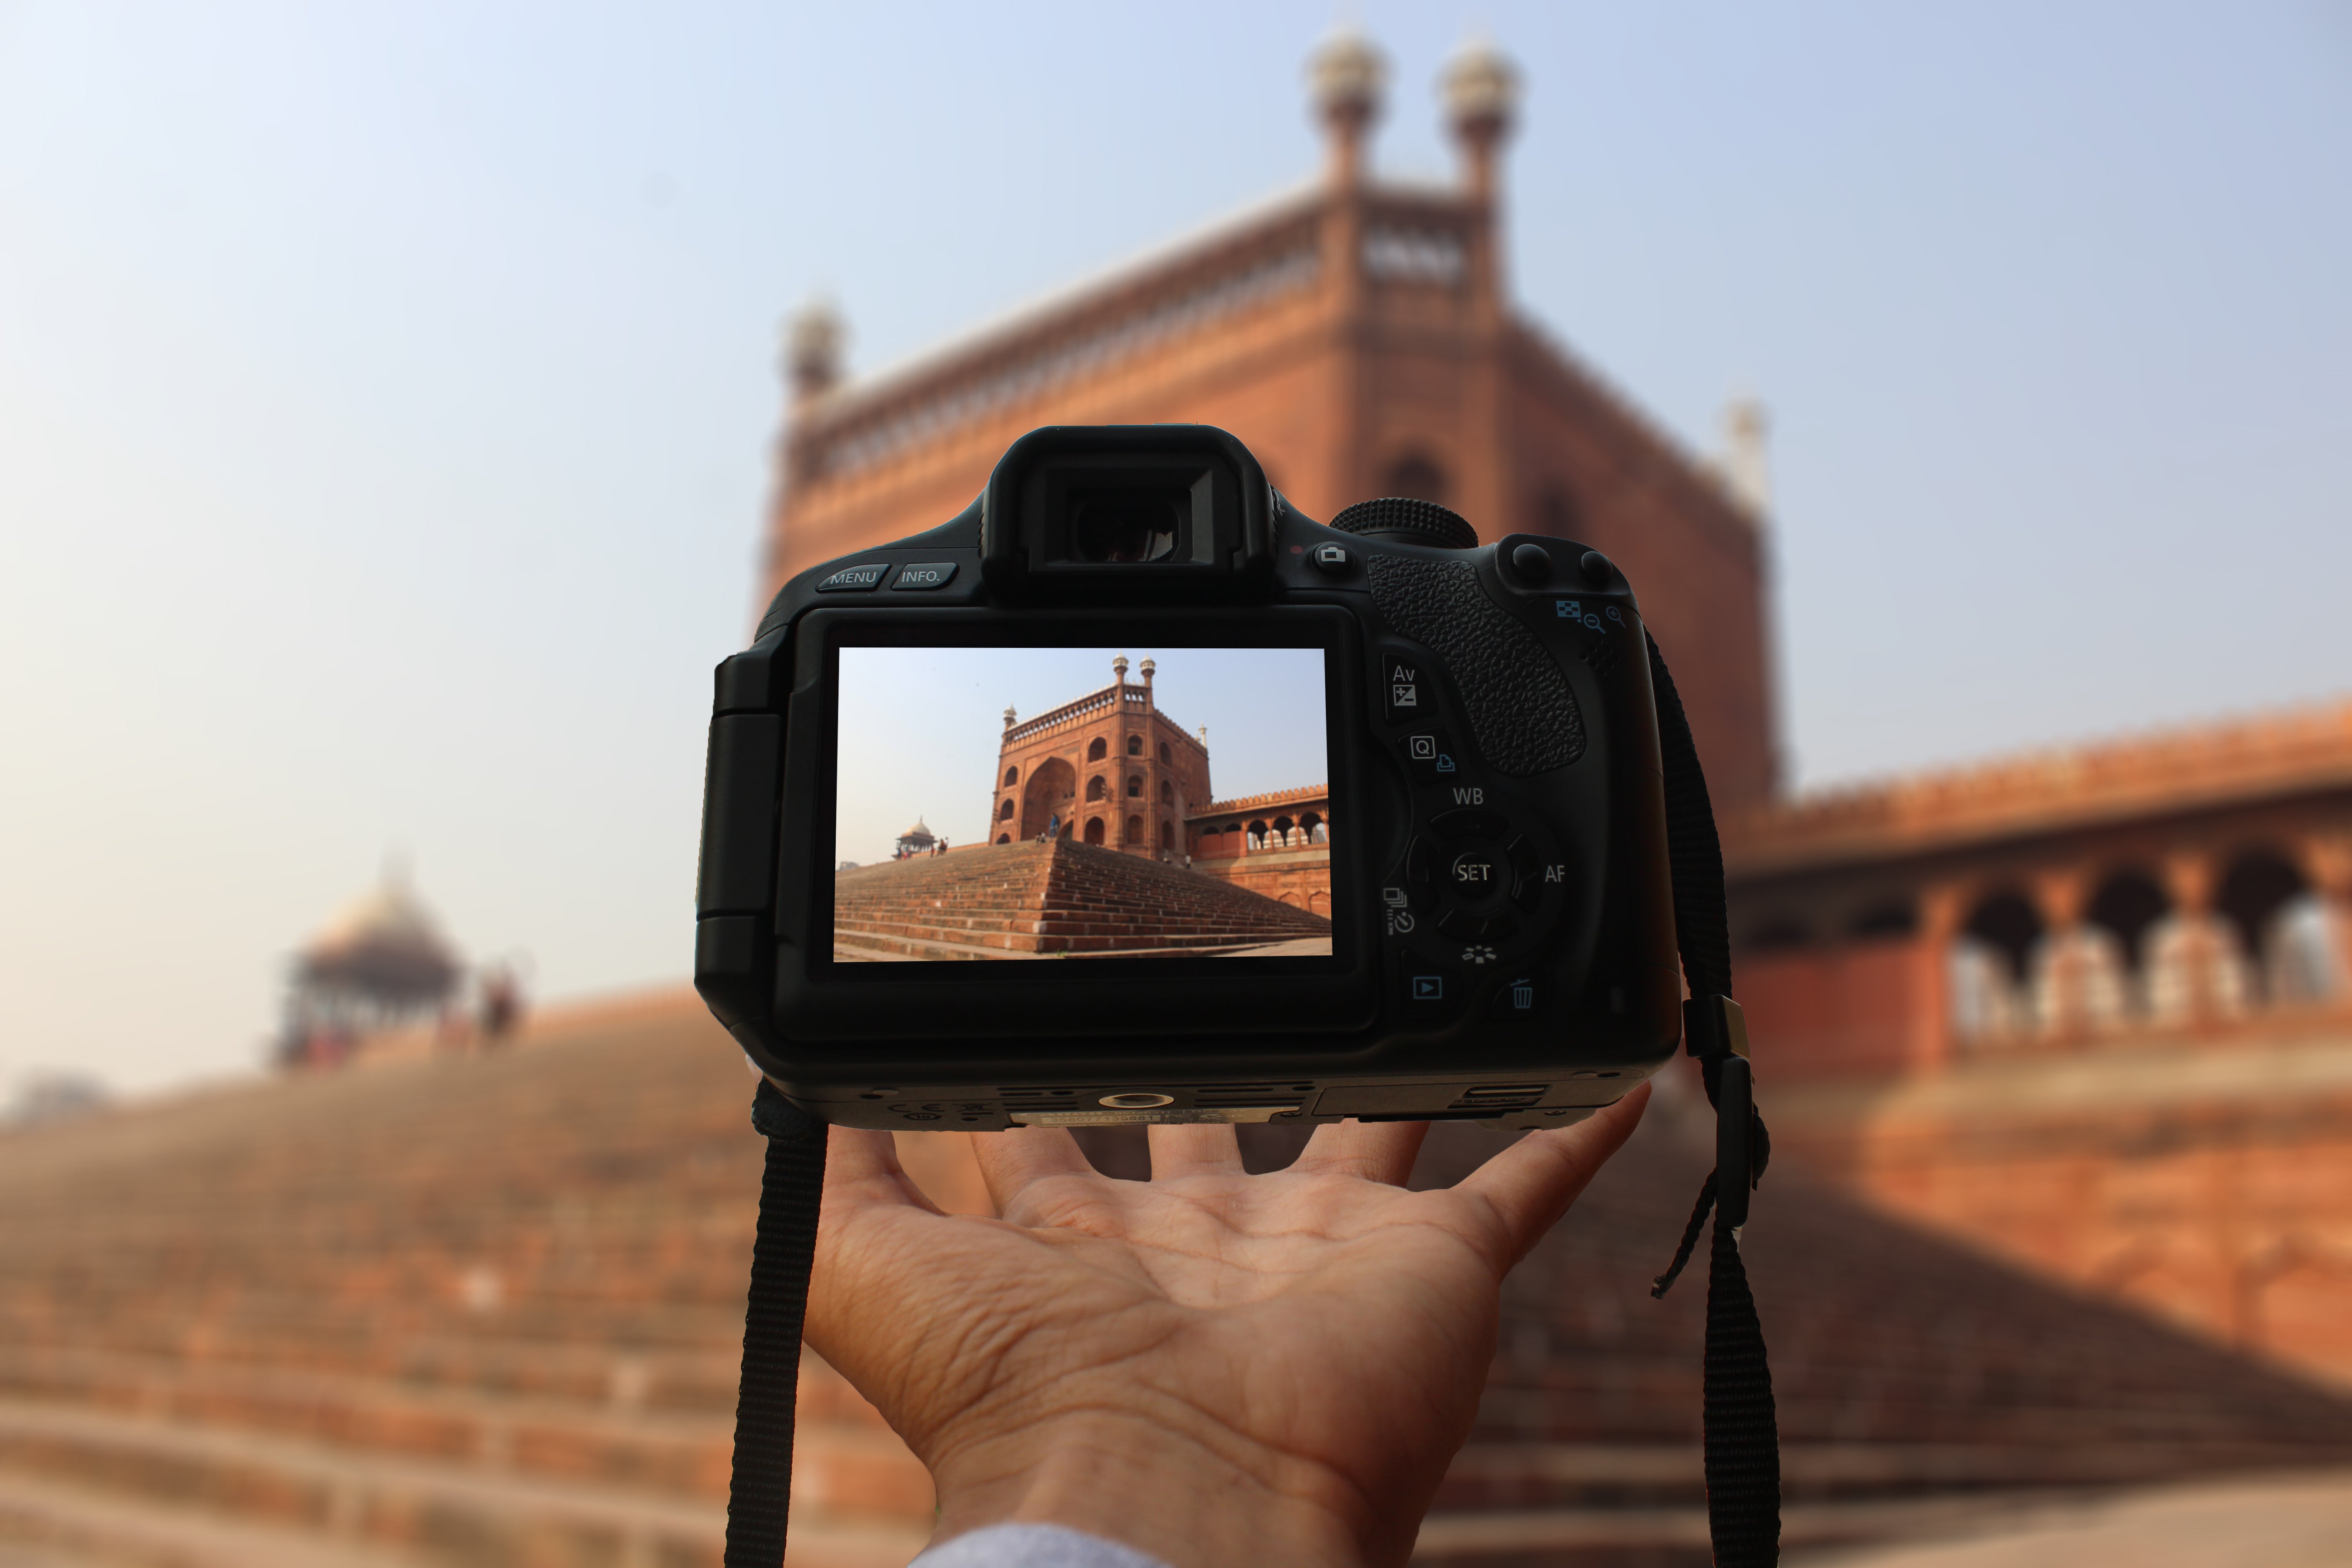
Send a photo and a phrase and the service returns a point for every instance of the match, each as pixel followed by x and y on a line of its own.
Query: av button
pixel 1405 693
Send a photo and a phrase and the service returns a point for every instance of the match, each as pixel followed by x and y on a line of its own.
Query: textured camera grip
pixel 1525 716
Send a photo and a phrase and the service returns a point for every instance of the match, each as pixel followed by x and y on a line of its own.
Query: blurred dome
pixel 1346 76
pixel 1481 88
pixel 384 946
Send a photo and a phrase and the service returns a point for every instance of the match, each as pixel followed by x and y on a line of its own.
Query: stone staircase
pixel 1034 900
pixel 485 1311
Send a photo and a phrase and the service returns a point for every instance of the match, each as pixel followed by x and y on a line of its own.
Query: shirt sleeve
pixel 1032 1546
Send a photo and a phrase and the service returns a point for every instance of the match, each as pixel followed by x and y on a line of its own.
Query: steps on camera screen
pixel 1101 834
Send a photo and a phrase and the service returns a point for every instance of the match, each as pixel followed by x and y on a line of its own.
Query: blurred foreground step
pixel 81 1470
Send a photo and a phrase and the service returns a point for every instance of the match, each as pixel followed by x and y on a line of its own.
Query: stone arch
pixel 1318 902
pixel 1168 791
pixel 2007 922
pixel 2127 902
pixel 1097 749
pixel 1134 830
pixel 1167 757
pixel 1258 834
pixel 1992 962
pixel 1134 745
pixel 1167 834
pixel 1312 825
pixel 1292 899
pixel 1096 789
pixel 1093 829
pixel 1418 475
pixel 1012 777
pixel 1052 791
pixel 2252 897
pixel 1004 812
pixel 1282 826
pixel 1134 786
pixel 1005 838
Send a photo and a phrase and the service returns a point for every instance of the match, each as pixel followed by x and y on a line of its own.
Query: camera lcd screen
pixel 1081 805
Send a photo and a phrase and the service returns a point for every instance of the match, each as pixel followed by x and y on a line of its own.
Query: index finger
pixel 1531 1184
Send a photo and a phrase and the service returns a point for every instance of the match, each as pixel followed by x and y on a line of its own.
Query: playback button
pixel 1431 988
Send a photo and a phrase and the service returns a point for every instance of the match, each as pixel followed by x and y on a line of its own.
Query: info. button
pixel 923 574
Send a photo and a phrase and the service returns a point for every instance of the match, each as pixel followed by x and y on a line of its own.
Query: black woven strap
pixel 760 1494
pixel 1742 1427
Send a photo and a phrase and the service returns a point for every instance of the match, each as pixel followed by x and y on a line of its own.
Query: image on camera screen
pixel 1070 804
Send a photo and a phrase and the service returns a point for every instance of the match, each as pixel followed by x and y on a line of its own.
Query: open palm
pixel 1211 1366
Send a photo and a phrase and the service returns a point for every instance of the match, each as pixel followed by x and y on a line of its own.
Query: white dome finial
pixel 1346 76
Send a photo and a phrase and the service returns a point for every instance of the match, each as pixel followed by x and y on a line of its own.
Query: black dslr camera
pixel 1429 880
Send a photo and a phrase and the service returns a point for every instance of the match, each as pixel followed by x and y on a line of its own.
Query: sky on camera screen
pixel 921 728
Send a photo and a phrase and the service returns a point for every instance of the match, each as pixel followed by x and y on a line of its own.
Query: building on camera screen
pixel 1091 828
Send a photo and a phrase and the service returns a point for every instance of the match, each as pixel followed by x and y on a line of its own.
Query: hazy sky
pixel 387 393
pixel 933 754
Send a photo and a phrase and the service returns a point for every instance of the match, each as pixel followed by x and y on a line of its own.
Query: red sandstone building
pixel 2089 1011
pixel 1109 768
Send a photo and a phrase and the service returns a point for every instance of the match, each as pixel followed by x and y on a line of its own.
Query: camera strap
pixel 759 1487
pixel 1742 1430
pixel 1742 1439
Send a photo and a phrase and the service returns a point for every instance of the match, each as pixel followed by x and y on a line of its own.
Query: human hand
pixel 1212 1367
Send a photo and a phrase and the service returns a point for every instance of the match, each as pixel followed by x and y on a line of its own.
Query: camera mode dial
pixel 1409 521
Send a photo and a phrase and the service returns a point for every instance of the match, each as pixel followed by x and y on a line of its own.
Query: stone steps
pixel 236 1310
pixel 1059 898
pixel 439 1512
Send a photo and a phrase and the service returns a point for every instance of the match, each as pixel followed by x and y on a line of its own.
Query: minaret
pixel 1747 463
pixel 1345 79
pixel 1481 91
pixel 813 341
pixel 1481 88
pixel 1119 671
pixel 1146 667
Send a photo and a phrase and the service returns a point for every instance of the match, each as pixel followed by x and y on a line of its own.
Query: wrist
pixel 1190 1495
